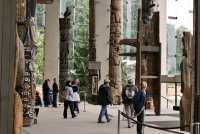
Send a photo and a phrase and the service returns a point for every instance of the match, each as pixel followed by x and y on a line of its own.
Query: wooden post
pixel 65 27
pixel 92 49
pixel 7 64
pixel 196 92
pixel 114 58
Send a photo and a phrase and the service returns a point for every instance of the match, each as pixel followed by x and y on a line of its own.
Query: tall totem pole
pixel 92 48
pixel 114 58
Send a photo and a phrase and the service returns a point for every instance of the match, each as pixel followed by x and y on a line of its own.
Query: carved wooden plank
pixel 45 1
pixel 130 42
pixel 128 54
pixel 150 49
pixel 150 77
pixel 7 64
pixel 168 79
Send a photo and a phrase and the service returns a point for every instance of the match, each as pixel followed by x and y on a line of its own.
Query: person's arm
pixel 56 88
pixel 142 99
pixel 75 89
pixel 40 101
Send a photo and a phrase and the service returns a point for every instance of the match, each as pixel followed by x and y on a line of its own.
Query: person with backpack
pixel 69 100
pixel 128 94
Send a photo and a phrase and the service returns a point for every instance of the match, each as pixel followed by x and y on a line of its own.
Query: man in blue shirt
pixel 139 102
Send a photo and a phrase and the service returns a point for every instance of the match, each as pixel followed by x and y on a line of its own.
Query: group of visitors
pixel 133 98
pixel 72 98
pixel 50 94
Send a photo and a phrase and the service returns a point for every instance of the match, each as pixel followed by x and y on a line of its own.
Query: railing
pixel 168 100
pixel 167 129
pixel 84 101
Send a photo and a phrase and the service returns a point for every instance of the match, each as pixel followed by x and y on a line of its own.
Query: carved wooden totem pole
pixel 114 58
pixel 26 30
pixel 20 69
pixel 92 50
pixel 187 83
pixel 148 58
pixel 65 26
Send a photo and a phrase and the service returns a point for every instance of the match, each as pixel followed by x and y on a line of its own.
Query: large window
pixel 180 19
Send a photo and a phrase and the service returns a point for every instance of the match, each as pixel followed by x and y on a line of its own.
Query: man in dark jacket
pixel 55 92
pixel 45 90
pixel 128 94
pixel 139 104
pixel 104 99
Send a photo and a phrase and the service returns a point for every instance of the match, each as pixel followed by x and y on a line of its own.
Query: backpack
pixel 130 91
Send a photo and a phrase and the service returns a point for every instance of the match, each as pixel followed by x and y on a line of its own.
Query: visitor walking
pixel 139 106
pixel 55 92
pixel 75 88
pixel 46 89
pixel 128 94
pixel 38 104
pixel 104 99
pixel 69 100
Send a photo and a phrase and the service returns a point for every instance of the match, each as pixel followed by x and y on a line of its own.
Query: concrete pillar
pixel 162 8
pixel 102 14
pixel 51 51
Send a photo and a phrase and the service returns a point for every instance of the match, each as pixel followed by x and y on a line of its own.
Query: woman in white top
pixel 76 95
pixel 69 100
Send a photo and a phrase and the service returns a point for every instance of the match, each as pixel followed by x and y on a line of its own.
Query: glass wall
pixel 180 19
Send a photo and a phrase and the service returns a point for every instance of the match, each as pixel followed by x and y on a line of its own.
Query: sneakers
pixel 101 122
pixel 108 120
pixel 104 121
pixel 35 121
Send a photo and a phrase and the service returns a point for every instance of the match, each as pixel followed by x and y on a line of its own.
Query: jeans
pixel 54 99
pixel 140 119
pixel 76 108
pixel 129 111
pixel 102 113
pixel 71 106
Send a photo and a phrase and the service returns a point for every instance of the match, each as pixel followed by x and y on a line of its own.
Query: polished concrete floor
pixel 50 121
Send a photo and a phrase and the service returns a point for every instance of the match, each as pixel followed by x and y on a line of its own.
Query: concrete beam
pixel 51 51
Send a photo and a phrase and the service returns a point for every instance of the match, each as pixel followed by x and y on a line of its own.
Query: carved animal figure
pixel 20 68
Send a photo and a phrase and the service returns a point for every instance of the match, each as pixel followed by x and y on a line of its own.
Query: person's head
pixel 37 93
pixel 106 82
pixel 54 80
pixel 130 81
pixel 77 81
pixel 68 83
pixel 144 85
pixel 74 82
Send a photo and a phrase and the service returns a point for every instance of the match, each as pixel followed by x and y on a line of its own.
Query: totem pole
pixel 114 58
pixel 65 27
pixel 26 30
pixel 20 69
pixel 187 84
pixel 92 51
